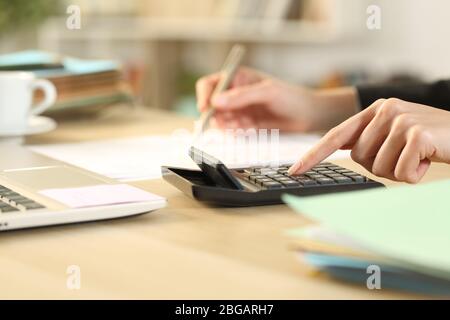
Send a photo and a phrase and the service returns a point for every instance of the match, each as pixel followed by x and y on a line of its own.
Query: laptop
pixel 25 174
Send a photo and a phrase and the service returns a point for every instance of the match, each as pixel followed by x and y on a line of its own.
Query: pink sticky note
pixel 99 195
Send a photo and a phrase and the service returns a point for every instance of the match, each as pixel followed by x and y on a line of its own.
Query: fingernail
pixel 294 168
pixel 219 100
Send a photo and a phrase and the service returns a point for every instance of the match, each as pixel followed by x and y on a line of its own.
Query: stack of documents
pixel 400 234
pixel 79 83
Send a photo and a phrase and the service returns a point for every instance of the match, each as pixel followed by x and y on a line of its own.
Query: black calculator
pixel 260 185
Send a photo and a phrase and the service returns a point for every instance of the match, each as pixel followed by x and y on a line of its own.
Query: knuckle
pixel 418 135
pixel 380 101
pixel 389 108
pixel 402 121
pixel 375 105
pixel 393 101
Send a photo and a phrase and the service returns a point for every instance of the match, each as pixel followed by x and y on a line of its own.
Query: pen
pixel 228 71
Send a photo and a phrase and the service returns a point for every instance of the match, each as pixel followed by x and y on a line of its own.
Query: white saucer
pixel 36 125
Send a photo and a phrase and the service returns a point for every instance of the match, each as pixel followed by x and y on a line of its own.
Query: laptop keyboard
pixel 324 174
pixel 13 202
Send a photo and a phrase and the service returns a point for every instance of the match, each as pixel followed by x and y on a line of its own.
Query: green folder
pixel 409 224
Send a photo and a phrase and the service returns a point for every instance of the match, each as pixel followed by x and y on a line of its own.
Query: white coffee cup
pixel 16 100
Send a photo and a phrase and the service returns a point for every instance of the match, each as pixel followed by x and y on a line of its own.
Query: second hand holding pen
pixel 227 74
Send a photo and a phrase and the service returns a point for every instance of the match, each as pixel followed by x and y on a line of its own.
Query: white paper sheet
pixel 99 195
pixel 140 158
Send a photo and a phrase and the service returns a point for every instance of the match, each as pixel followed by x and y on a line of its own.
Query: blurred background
pixel 151 52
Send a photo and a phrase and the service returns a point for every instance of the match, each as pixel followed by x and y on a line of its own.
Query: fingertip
pixel 295 168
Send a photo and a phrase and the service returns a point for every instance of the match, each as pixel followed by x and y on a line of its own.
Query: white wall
pixel 415 36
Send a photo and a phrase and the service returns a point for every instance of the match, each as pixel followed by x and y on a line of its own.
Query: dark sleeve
pixel 436 94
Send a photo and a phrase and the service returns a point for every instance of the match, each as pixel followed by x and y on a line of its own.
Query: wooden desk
pixel 185 251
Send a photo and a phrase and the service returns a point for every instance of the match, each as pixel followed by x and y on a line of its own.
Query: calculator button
pixel 322 165
pixel 335 175
pixel 343 171
pixel 257 169
pixel 261 181
pixel 272 185
pixel 284 179
pixel 246 174
pixel 358 178
pixel 350 174
pixel 307 182
pixel 343 180
pixel 316 176
pixel 325 181
pixel 268 172
pixel 254 178
pixel 290 183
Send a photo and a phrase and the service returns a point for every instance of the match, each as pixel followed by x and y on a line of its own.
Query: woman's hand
pixel 256 100
pixel 392 138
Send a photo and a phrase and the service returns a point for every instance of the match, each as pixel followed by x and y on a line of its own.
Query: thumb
pixel 241 97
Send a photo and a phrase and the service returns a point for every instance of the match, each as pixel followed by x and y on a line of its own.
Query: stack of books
pixel 394 238
pixel 79 83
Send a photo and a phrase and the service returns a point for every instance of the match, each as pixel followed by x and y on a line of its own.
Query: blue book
pixel 393 277
pixel 48 65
